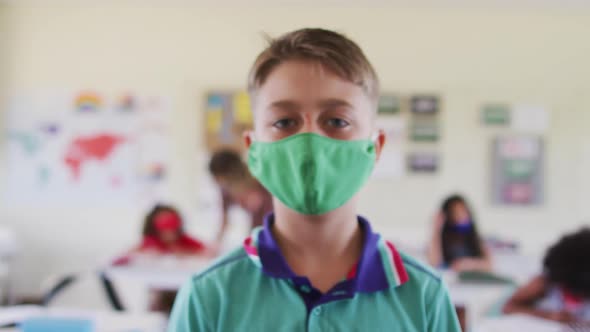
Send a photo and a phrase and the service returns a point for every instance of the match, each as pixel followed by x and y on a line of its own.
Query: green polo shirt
pixel 253 289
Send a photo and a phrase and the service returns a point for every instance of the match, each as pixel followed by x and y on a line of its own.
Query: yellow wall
pixel 467 56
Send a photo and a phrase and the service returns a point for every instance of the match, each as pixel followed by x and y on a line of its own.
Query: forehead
pixel 307 81
pixel 458 206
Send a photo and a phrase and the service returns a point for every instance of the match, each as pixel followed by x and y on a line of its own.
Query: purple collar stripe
pixel 380 266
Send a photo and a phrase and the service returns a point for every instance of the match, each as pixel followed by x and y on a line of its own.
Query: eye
pixel 338 123
pixel 285 124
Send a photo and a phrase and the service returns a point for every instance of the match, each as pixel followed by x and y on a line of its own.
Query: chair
pixel 86 290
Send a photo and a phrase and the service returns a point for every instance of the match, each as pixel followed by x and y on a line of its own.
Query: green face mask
pixel 310 173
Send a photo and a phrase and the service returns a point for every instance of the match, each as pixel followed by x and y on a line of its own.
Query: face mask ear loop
pixel 375 136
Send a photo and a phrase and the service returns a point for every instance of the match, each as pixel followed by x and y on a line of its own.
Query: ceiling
pixel 517 4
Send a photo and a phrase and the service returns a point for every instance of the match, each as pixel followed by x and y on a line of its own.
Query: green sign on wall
pixel 496 114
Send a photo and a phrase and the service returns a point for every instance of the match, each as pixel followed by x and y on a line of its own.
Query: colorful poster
pixel 227 116
pixel 84 148
pixel 517 177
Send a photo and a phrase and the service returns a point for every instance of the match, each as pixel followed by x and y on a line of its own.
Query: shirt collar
pixel 380 266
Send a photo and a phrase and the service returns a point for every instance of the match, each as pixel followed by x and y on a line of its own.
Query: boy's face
pixel 302 97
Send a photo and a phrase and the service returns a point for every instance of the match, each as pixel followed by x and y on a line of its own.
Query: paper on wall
pixel 391 161
pixel 530 119
pixel 390 164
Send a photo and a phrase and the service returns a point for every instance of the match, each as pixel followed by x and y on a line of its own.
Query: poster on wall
pixel 423 162
pixel 389 104
pixel 86 148
pixel 425 110
pixel 424 130
pixel 227 116
pixel 391 161
pixel 424 104
pixel 530 119
pixel 495 114
pixel 517 172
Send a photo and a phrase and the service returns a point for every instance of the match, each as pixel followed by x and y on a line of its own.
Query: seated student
pixel 315 265
pixel 163 233
pixel 562 292
pixel 455 240
pixel 238 186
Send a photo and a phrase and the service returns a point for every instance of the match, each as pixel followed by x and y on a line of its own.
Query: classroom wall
pixel 467 56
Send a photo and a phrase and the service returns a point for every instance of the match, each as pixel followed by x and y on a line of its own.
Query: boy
pixel 316 265
pixel 238 187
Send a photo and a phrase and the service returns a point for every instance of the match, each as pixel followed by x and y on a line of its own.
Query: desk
pixel 478 299
pixel 518 323
pixel 104 321
pixel 134 282
pixel 162 273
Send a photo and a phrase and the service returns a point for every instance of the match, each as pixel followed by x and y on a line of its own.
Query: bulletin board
pixel 227 115
pixel 518 170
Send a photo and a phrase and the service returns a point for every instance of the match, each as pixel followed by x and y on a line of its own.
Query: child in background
pixel 163 233
pixel 315 265
pixel 456 242
pixel 562 292
pixel 238 186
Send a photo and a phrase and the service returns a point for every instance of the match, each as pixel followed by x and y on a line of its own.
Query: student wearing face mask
pixel 315 265
pixel 562 292
pixel 455 241
pixel 163 233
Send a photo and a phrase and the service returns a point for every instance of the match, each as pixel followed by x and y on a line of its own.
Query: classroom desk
pixel 477 299
pixel 481 299
pixel 104 321
pixel 163 273
pixel 135 283
pixel 519 323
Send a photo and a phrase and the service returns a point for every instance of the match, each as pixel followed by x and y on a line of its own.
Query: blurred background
pixel 484 98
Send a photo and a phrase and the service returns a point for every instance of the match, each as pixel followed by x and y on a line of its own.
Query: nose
pixel 309 125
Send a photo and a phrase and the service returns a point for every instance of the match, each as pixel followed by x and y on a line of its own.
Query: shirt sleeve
pixel 188 314
pixel 191 244
pixel 150 243
pixel 441 313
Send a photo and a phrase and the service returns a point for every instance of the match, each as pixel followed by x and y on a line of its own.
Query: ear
pixel 247 136
pixel 380 143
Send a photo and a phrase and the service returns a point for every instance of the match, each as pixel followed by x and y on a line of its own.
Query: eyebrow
pixel 287 105
pixel 333 102
pixel 290 105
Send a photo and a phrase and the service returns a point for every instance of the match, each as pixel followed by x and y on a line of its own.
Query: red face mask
pixel 167 221
pixel 571 301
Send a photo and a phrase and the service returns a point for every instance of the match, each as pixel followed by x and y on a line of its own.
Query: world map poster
pixel 86 148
